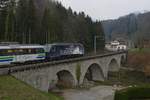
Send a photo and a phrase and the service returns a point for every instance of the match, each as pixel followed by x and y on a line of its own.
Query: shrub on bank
pixel 133 93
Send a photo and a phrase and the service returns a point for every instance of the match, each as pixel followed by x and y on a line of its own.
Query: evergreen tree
pixel 21 23
pixel 21 16
pixel 10 22
pixel 31 22
pixel 46 24
pixel 3 15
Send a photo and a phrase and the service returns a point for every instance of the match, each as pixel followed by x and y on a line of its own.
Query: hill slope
pixel 131 26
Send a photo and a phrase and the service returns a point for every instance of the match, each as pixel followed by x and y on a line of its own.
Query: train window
pixel 33 51
pixel 39 50
pixel 2 52
pixel 9 51
pixel 29 51
pixel 53 49
pixel 15 51
pixel 6 52
pixel 25 51
pixel 20 51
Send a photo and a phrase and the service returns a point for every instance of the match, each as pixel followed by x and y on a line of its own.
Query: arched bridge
pixel 69 72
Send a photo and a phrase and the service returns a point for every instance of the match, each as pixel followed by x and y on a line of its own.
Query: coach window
pixel 3 52
pixel 15 52
pixel 29 51
pixel 25 51
pixel 19 51
pixel 9 52
pixel 33 51
pixel 39 50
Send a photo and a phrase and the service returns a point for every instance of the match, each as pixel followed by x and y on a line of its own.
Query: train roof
pixel 31 46
pixel 65 44
pixel 4 47
pixel 20 46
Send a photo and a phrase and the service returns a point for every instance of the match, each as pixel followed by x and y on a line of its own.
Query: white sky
pixel 107 9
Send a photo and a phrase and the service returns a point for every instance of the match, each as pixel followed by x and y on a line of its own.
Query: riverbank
pixel 94 93
pixel 106 90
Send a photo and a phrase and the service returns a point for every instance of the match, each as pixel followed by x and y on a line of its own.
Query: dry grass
pixel 140 60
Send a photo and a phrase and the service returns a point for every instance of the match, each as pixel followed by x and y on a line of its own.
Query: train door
pixel 20 55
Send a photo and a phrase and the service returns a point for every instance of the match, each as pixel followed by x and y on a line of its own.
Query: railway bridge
pixel 45 76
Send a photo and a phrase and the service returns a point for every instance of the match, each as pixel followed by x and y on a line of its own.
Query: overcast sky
pixel 107 9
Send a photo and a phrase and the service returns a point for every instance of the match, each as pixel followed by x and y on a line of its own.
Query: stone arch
pixel 65 79
pixel 94 73
pixel 113 65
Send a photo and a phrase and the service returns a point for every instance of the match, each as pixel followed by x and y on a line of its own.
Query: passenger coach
pixel 21 53
pixel 25 53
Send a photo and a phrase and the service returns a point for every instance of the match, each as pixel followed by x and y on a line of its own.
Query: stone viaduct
pixel 73 71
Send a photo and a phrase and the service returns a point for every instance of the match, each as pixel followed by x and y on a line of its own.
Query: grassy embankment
pixel 134 93
pixel 13 89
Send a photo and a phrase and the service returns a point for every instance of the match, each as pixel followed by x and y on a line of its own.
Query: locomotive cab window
pixel 53 50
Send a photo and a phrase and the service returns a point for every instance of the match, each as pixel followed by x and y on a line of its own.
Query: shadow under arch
pixel 113 69
pixel 113 66
pixel 65 79
pixel 94 73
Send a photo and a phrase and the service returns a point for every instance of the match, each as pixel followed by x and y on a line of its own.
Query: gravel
pixel 95 93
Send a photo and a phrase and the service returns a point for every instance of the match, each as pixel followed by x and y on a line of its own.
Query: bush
pixel 133 93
